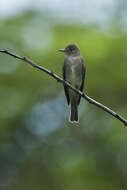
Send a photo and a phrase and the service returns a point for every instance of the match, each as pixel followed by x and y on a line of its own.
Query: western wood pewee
pixel 74 73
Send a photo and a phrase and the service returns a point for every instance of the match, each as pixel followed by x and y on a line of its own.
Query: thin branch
pixel 90 100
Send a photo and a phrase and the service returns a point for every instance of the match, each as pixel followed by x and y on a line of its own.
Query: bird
pixel 74 70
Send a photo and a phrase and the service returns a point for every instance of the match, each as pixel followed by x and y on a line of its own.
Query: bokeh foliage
pixel 89 155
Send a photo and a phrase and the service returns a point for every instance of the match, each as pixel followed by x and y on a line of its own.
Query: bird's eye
pixel 72 49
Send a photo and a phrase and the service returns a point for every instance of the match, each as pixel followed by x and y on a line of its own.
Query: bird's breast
pixel 75 73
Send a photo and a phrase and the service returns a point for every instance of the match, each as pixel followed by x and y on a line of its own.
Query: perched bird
pixel 74 73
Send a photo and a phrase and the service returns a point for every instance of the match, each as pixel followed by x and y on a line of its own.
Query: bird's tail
pixel 73 113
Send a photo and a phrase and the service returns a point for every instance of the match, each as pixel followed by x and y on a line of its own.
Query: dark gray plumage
pixel 74 73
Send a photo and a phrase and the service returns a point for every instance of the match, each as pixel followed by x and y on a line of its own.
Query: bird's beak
pixel 62 50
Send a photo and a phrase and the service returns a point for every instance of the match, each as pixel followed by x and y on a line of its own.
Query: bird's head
pixel 71 50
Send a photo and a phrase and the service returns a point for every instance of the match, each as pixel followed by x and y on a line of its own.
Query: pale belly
pixel 75 78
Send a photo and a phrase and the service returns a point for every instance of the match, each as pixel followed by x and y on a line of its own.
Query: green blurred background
pixel 39 149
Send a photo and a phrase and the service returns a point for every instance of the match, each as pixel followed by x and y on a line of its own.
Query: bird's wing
pixel 83 77
pixel 66 69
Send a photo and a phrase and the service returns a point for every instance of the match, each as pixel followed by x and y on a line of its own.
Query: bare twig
pixel 90 100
